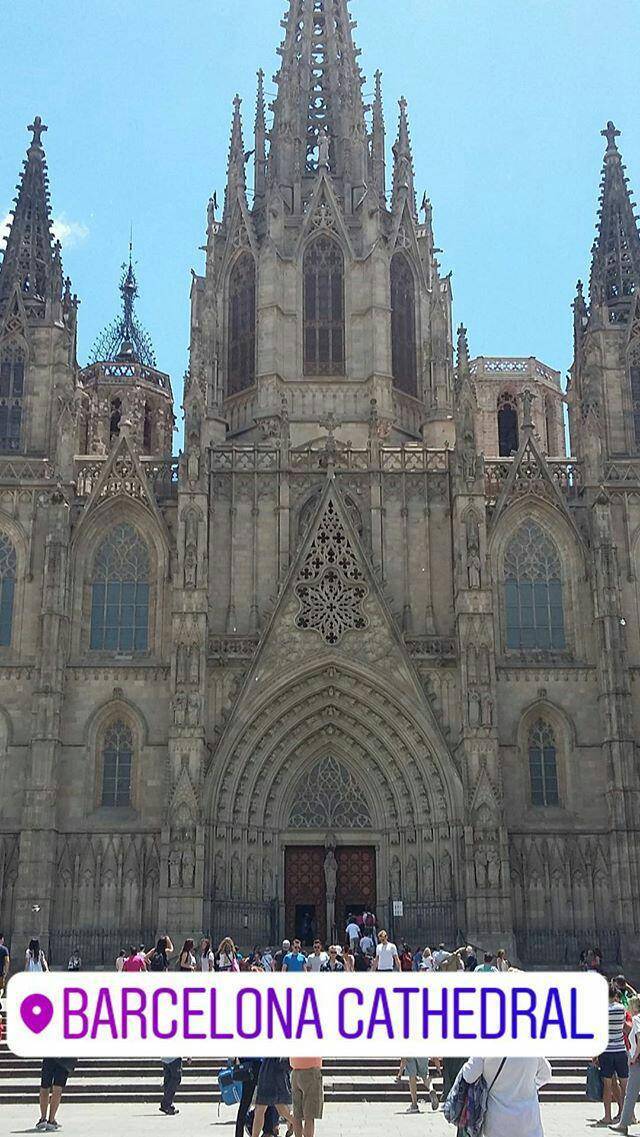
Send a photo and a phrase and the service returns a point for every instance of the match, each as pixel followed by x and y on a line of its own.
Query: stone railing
pixel 18 469
pixel 125 369
pixel 412 458
pixel 623 471
pixel 565 472
pixel 161 474
pixel 226 649
pixel 431 647
pixel 513 367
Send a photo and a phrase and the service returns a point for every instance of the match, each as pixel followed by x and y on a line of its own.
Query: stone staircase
pixel 138 1080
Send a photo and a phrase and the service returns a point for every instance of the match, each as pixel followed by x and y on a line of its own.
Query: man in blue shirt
pixel 295 960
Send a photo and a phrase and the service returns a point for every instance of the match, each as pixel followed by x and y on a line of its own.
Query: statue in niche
pixel 487 711
pixel 475 710
pixel 193 710
pixel 395 879
pixel 331 884
pixel 190 550
pixel 493 869
pixel 181 665
pixel 179 709
pixel 323 149
pixel 175 861
pixel 194 665
pixel 188 868
pixel 474 574
pixel 472 664
pixel 218 874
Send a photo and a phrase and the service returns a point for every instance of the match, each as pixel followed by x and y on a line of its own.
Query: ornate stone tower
pixel 321 235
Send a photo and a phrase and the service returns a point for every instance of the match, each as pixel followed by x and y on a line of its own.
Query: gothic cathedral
pixel 373 608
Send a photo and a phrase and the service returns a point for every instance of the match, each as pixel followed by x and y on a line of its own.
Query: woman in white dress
pixel 513 1109
pixel 34 957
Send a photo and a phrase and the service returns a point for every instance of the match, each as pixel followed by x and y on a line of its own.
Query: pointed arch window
pixel 508 433
pixel 241 364
pixel 7 588
pixel 403 325
pixel 543 764
pixel 117 760
pixel 12 368
pixel 533 592
pixel 120 593
pixel 324 308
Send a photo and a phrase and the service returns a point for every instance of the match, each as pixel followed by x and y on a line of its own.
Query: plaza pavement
pixel 340 1120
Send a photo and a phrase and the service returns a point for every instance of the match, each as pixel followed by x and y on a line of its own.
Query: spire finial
pixel 463 347
pixel 610 133
pixel 37 128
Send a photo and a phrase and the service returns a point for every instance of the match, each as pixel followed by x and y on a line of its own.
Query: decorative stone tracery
pixel 331 586
pixel 329 797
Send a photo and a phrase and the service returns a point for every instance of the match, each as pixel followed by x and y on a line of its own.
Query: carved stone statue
pixel 179 709
pixel 188 869
pixel 193 710
pixel 175 860
pixel 323 150
pixel 331 884
pixel 194 665
pixel 190 567
pixel 474 574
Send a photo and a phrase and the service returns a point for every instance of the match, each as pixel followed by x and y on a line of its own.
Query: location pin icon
pixel 36 1012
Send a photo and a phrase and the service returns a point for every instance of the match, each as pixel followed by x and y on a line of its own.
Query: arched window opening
pixel 242 325
pixel 403 325
pixel 117 759
pixel 116 416
pixel 550 426
pixel 324 308
pixel 533 592
pixel 8 566
pixel 12 368
pixel 543 765
pixel 147 430
pixel 120 593
pixel 634 379
pixel 508 433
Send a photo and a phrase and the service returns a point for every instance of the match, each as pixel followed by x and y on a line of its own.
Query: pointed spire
pixel 125 338
pixel 319 88
pixel 403 173
pixel 260 160
pixel 236 179
pixel 378 137
pixel 615 270
pixel 462 350
pixel 31 258
pixel 464 384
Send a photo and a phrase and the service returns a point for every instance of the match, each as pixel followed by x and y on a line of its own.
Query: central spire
pixel 319 105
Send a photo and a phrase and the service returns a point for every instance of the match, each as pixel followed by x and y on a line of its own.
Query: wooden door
pixel 356 889
pixel 305 893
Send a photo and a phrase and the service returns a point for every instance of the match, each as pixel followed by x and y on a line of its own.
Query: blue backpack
pixel 230 1089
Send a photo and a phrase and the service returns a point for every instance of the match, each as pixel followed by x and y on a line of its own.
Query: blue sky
pixel 507 101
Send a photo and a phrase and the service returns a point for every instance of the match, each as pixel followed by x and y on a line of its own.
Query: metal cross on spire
pixel 37 128
pixel 610 133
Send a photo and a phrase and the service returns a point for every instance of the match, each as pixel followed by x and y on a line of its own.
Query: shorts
pixel 614 1062
pixel 53 1074
pixel 416 1067
pixel 308 1094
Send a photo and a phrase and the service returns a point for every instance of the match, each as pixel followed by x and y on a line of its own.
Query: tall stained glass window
pixel 12 368
pixel 324 308
pixel 120 593
pixel 543 766
pixel 533 591
pixel 241 364
pixel 403 325
pixel 7 588
pixel 117 758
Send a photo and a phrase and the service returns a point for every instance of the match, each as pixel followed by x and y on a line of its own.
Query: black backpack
pixel 158 962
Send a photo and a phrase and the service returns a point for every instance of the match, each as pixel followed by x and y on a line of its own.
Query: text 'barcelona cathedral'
pixel 374 636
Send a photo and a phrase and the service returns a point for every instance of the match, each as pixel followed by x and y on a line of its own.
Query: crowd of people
pixel 276 1091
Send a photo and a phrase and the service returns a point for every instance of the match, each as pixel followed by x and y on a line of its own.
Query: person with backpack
pixel 512 1105
pixel 158 957
pixel 34 957
pixel 53 1079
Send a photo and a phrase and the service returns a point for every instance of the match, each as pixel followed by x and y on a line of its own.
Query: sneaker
pixel 413 1109
pixel 170 1110
pixel 53 1126
pixel 41 1127
pixel 434 1099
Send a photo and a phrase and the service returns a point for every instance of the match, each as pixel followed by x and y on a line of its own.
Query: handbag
pixel 594 1087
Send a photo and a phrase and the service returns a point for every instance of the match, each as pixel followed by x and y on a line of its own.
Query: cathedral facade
pixel 374 607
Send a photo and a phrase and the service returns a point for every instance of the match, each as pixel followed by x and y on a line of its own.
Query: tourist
pixel 5 963
pixel 53 1079
pixel 613 1062
pixel 352 933
pixel 361 962
pixel 158 958
pixel 451 1067
pixel 417 956
pixel 317 958
pixel 228 956
pixel 439 955
pixel 307 1093
pixel 633 1084
pixel 247 1070
pixel 273 1089
pixel 416 1068
pixel 187 957
pixel 348 957
pixel 295 960
pixel 267 959
pixel 207 958
pixel 502 963
pixel 489 963
pixel 513 1108
pixel 75 962
pixel 34 957
pixel 135 961
pixel 406 958
pixel 427 962
pixel 625 989
pixel 120 958
pixel 367 945
pixel 386 957
pixel 471 962
pixel 280 954
pixel 171 1079
pixel 454 961
pixel 334 963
